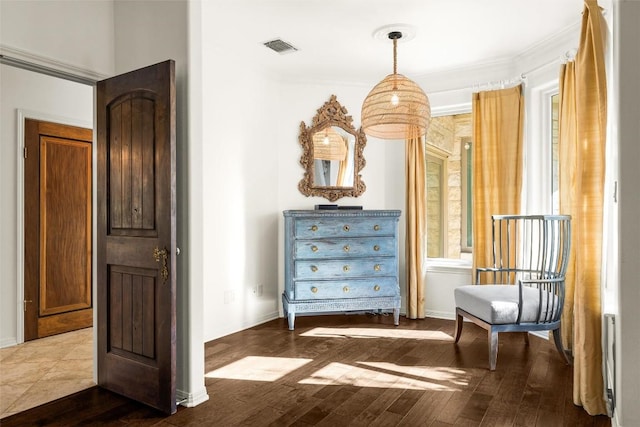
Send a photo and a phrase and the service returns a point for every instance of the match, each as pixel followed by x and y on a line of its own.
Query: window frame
pixel 466 185
pixel 539 155
pixel 449 110
pixel 555 205
pixel 443 158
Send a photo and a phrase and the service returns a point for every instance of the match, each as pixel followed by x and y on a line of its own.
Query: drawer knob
pixel 314 290
pixel 314 268
pixel 376 248
pixel 346 268
pixel 314 248
pixel 346 248
pixel 345 289
pixel 376 267
pixel 376 227
pixel 346 228
pixel 314 228
pixel 376 288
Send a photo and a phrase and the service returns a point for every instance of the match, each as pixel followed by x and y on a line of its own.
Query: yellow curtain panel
pixel 416 252
pixel 344 162
pixel 583 116
pixel 498 118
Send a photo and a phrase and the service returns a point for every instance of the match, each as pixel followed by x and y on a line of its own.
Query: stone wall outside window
pixel 448 135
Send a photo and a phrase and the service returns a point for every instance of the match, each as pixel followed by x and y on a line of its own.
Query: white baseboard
pixel 260 320
pixel 614 421
pixel 541 334
pixel 190 400
pixel 8 342
pixel 446 315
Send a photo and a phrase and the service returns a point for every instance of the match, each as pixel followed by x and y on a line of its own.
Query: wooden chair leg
pixel 459 322
pixel 558 341
pixel 493 350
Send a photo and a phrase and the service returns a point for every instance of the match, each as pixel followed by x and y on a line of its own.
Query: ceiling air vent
pixel 280 46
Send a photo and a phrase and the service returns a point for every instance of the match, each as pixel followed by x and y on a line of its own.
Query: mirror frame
pixel 331 114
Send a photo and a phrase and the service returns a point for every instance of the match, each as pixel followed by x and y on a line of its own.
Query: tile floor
pixel 43 370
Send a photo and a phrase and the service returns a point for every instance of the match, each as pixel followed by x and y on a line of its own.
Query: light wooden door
pixel 136 235
pixel 57 234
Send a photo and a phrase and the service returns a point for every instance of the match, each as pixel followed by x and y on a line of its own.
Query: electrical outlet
pixel 260 289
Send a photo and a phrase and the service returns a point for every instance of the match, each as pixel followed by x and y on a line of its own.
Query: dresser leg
pixel 396 316
pixel 291 317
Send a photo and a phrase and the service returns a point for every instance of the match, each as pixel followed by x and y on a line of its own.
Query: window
pixel 555 165
pixel 466 237
pixel 435 205
pixel 449 166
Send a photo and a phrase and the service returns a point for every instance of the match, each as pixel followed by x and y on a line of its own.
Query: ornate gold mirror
pixel 332 154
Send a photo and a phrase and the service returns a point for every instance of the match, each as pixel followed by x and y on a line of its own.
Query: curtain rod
pixel 499 84
pixel 569 55
pixel 30 66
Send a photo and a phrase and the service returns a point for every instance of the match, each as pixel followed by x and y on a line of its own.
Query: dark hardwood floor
pixel 355 370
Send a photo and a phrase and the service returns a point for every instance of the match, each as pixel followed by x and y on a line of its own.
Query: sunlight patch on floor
pixel 453 376
pixel 259 368
pixel 342 374
pixel 377 333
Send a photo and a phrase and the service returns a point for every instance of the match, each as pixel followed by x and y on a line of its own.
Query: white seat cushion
pixel 498 304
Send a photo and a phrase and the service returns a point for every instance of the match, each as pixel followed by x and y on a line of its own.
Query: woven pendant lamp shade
pixel 329 145
pixel 396 108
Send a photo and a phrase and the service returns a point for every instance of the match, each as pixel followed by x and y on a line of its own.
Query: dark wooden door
pixel 57 229
pixel 136 235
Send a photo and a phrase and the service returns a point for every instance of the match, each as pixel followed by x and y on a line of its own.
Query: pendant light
pixel 329 145
pixel 396 108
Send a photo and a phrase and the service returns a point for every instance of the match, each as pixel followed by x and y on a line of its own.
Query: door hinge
pixel 24 152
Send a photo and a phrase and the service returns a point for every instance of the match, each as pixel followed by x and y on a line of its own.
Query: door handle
pixel 158 255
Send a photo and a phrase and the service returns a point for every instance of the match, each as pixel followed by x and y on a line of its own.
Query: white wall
pixel 251 172
pixel 77 35
pixel 239 194
pixel 40 97
pixel 627 34
pixel 41 30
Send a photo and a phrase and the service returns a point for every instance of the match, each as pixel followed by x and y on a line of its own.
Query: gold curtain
pixel 498 118
pixel 416 225
pixel 343 164
pixel 583 117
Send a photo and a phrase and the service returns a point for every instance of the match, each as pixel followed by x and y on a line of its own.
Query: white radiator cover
pixel 609 361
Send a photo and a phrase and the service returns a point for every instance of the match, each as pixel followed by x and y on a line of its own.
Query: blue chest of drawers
pixel 340 260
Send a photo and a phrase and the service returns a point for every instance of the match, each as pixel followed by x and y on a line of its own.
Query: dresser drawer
pixel 345 268
pixel 315 228
pixel 340 261
pixel 344 248
pixel 385 287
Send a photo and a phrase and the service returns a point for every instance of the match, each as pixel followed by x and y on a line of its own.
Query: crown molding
pixel 42 64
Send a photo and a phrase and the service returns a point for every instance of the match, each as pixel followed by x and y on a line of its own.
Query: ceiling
pixel 336 43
